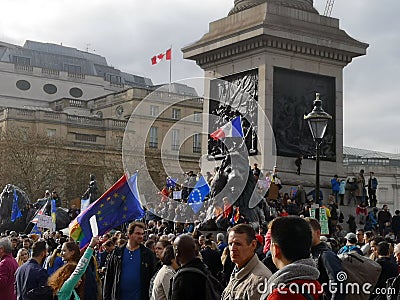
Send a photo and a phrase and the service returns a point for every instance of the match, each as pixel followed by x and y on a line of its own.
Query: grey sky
pixel 129 32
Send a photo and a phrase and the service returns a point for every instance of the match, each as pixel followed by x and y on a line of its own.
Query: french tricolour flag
pixel 231 129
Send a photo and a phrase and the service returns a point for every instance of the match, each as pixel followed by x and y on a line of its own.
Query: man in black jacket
pixel 211 258
pixel 129 268
pixel 328 263
pixel 187 284
pixel 389 269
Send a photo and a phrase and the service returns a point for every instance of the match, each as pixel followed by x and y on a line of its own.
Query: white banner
pixel 46 222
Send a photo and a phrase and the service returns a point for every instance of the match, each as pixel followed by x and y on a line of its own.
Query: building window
pixel 153 110
pixel 20 60
pixel 176 113
pixel 175 140
pixel 112 78
pixel 85 137
pixel 76 92
pixel 50 88
pixel 50 132
pixel 23 85
pixel 197 116
pixel 72 69
pixel 119 111
pixel 197 143
pixel 153 140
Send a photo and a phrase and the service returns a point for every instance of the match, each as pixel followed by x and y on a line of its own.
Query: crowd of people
pixel 151 260
pixel 165 258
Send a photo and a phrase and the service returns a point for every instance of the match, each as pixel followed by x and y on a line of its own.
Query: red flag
pixel 156 58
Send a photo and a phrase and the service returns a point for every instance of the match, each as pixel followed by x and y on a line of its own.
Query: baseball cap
pixel 351 237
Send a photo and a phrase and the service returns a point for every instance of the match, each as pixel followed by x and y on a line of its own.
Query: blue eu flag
pixel 119 204
pixel 198 194
pixel 171 182
pixel 15 211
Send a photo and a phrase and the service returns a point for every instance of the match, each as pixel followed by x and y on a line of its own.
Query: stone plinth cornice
pixel 275 27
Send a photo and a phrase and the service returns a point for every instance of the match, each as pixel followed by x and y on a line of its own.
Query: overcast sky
pixel 129 32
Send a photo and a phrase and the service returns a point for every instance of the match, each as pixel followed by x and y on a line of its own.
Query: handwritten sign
pixel 177 195
pixel 46 222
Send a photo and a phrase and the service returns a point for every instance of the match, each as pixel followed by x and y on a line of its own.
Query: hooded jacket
pixel 301 274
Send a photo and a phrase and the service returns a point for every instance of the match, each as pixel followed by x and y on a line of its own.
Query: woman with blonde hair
pixel 22 256
pixel 66 281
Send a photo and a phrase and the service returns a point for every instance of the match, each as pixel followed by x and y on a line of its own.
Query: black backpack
pixel 214 288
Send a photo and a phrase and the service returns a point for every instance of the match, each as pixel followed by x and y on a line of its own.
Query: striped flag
pixel 40 212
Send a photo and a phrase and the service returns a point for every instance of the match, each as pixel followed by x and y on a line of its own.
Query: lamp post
pixel 317 121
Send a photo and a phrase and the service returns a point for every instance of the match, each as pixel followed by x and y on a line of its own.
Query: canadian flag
pixel 156 58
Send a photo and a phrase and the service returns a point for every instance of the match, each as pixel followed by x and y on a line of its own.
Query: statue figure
pixel 92 190
pixel 23 224
pixel 235 181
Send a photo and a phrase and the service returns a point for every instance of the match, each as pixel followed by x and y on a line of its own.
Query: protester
pixel 211 258
pixel 188 284
pixel 67 279
pixel 129 268
pixel 389 269
pixel 328 263
pixel 350 244
pixel 22 256
pixel 53 262
pixel 31 275
pixel 162 281
pixel 249 271
pixel 159 250
pixel 8 266
pixel 291 239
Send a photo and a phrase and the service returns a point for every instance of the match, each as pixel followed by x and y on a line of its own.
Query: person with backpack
pixel 249 272
pixel 193 280
pixel 297 276
pixel 350 244
pixel 328 263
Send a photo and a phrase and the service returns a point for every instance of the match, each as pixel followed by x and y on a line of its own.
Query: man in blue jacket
pixel 31 275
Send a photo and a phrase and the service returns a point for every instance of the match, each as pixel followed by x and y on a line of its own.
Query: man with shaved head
pixel 188 284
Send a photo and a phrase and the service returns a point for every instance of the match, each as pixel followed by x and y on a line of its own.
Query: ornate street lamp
pixel 317 121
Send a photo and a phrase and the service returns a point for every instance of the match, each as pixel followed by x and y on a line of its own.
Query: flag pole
pixel 170 70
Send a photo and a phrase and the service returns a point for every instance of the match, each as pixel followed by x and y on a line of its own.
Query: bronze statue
pixel 92 190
